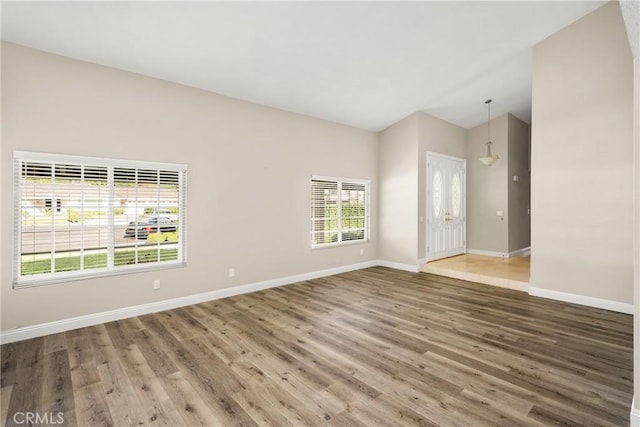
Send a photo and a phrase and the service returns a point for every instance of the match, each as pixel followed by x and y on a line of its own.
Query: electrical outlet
pixel 232 272
pixel 156 284
pixel 361 251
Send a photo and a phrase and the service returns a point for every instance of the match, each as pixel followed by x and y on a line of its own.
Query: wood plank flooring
pixel 374 347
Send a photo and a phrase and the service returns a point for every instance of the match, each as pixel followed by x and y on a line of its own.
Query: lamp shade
pixel 489 160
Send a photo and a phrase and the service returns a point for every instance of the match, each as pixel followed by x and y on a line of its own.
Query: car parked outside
pixel 149 225
pixel 162 212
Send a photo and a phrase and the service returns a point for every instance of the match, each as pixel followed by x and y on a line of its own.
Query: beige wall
pixel 402 175
pixel 631 15
pixel 441 137
pixel 487 189
pixel 249 177
pixel 398 203
pixel 520 191
pixel 492 189
pixel 581 189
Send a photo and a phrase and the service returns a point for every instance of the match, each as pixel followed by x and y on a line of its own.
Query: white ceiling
pixel 365 64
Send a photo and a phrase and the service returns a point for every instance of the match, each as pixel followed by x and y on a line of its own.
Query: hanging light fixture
pixel 489 159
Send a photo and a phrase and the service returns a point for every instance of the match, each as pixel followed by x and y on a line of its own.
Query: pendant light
pixel 489 159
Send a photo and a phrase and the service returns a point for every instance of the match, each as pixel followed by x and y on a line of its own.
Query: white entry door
pixel 446 207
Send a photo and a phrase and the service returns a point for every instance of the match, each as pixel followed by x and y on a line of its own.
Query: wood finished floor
pixel 511 273
pixel 373 347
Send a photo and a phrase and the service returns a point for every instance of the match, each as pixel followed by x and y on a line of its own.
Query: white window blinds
pixel 78 217
pixel 339 211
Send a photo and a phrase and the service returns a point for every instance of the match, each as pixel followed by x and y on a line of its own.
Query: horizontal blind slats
pixel 67 212
pixel 338 211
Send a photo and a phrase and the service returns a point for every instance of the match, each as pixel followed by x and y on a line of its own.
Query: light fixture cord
pixel 488 102
pixel 489 121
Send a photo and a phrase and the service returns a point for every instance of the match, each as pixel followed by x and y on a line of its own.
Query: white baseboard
pixel 635 414
pixel 512 254
pixel 63 325
pixel 520 252
pixel 487 253
pixel 398 266
pixel 620 307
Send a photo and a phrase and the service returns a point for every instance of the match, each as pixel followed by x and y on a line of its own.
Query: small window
pixel 79 217
pixel 339 211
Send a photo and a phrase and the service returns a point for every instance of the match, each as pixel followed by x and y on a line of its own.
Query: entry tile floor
pixel 511 273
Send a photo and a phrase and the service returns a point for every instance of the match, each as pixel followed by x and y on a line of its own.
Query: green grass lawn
pixel 124 256
pixel 169 236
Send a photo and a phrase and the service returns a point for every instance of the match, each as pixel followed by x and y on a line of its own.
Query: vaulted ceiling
pixel 365 64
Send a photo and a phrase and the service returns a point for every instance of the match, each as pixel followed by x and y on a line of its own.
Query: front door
pixel 446 217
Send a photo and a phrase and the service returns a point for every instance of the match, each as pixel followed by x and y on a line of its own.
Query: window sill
pixel 338 244
pixel 53 278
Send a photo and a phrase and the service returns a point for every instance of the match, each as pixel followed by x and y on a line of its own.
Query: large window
pixel 339 211
pixel 79 217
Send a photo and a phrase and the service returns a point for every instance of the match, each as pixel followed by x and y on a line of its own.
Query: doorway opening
pixel 446 251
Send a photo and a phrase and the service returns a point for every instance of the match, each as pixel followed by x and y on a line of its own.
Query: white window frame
pixel 20 281
pixel 367 203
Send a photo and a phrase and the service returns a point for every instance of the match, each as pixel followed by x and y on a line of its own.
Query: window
pixel 339 211
pixel 79 217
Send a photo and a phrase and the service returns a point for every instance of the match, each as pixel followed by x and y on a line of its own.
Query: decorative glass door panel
pixel 446 222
